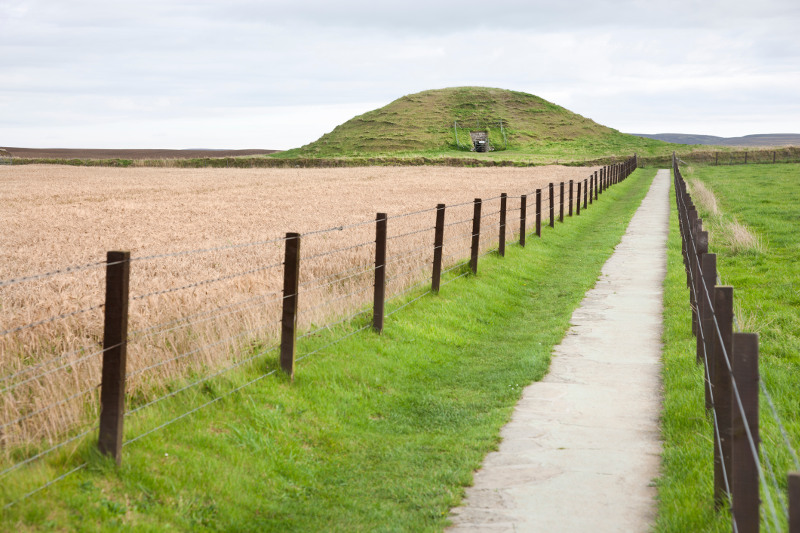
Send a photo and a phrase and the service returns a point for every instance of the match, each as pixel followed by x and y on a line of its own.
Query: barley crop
pixel 206 274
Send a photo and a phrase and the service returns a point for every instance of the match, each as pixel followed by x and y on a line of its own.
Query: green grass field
pixel 766 283
pixel 376 433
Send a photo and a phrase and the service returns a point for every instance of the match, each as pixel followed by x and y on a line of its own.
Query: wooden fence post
pixel 552 207
pixel 745 501
pixel 561 202
pixel 523 213
pixel 578 205
pixel 585 190
pixel 502 237
pixel 379 293
pixel 476 235
pixel 591 188
pixel 745 157
pixel 721 385
pixel 538 212
pixel 291 285
pixel 708 266
pixel 115 355
pixel 773 157
pixel 438 243
pixel 571 197
pixel 794 502
pixel 596 184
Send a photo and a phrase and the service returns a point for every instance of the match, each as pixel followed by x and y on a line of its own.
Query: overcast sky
pixel 278 74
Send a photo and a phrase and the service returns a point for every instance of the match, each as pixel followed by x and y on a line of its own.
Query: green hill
pixel 423 124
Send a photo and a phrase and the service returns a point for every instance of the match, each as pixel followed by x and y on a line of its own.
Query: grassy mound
pixel 423 123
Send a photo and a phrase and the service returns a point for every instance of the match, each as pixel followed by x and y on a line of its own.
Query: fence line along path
pixel 583 444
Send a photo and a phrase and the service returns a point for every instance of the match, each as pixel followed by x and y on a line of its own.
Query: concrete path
pixel 583 444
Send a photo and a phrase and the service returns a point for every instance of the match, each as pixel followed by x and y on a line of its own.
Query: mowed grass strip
pixel 763 198
pixel 377 432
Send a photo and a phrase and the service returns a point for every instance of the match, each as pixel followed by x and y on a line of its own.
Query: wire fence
pixel 130 353
pixel 744 474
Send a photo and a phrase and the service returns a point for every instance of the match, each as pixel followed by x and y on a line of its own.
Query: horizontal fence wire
pixel 48 451
pixel 201 380
pixel 340 339
pixel 65 365
pixel 205 282
pixel 337 277
pixel 207 250
pixel 46 485
pixel 184 415
pixel 51 319
pixel 50 406
pixel 337 228
pixel 332 324
pixel 52 273
pixel 339 250
pixel 207 316
pixel 415 232
pixel 405 255
pixel 201 348
pixel 334 300
pixel 413 213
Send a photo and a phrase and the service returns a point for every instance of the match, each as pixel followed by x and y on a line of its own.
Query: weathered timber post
pixel 571 197
pixel 561 202
pixel 723 310
pixel 578 205
pixel 476 235
pixel 585 190
pixel 115 355
pixel 708 267
pixel 538 212
pixel 794 502
pixel 291 279
pixel 591 188
pixel 438 243
pixel 379 293
pixel 552 207
pixel 746 439
pixel 502 237
pixel 523 213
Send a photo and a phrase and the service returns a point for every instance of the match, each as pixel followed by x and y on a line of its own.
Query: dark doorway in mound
pixel 480 141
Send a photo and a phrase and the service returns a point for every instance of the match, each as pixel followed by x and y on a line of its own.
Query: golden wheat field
pixel 206 275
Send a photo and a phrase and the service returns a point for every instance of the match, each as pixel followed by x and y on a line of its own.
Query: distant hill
pixel 126 153
pixel 771 139
pixel 423 123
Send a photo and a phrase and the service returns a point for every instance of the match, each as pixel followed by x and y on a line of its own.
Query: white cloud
pixel 246 73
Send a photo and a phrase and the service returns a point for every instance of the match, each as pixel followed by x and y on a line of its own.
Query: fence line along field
pixel 206 275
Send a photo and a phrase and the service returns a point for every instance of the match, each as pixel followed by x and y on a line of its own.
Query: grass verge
pixel 766 297
pixel 377 432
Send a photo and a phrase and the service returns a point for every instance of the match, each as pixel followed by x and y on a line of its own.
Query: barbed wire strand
pixel 228 339
pixel 64 270
pixel 51 319
pixel 47 451
pixel 48 407
pixel 346 248
pixel 408 234
pixel 205 282
pixel 328 326
pixel 259 300
pixel 184 415
pixel 65 365
pixel 202 380
pixel 46 485
pixel 207 250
